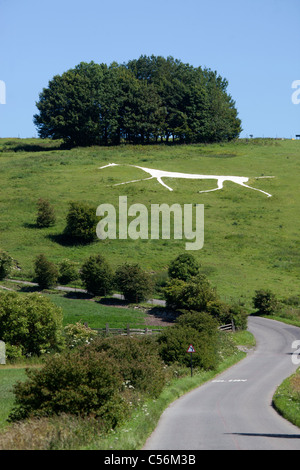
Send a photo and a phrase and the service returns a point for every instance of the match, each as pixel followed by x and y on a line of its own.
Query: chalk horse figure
pixel 159 174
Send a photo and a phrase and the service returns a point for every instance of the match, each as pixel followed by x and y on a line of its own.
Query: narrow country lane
pixel 234 411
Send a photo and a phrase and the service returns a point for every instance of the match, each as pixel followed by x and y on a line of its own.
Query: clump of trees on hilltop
pixel 150 99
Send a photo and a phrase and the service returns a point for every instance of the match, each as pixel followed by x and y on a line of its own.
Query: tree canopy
pixel 149 99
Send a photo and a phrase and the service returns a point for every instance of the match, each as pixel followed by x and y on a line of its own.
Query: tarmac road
pixel 234 411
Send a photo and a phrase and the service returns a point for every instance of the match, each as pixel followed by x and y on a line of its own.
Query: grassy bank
pixel 254 236
pixel 286 399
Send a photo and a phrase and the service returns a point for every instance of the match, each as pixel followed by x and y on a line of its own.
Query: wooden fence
pixel 127 331
pixel 228 327
pixel 107 331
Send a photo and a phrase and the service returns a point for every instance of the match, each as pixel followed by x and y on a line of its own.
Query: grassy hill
pixel 250 241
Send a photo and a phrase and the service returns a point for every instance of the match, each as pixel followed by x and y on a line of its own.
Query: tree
pixel 67 271
pixel 69 107
pixel 134 283
pixel 46 273
pixel 184 267
pixel 30 323
pixel 194 294
pixel 81 223
pixel 97 275
pixel 140 101
pixel 45 214
pixel 265 302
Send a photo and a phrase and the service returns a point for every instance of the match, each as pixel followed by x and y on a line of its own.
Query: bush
pixel 78 334
pixel 6 263
pixel 184 267
pixel 134 283
pixel 45 214
pixel 67 272
pixel 175 341
pixel 265 302
pixel 81 223
pixel 46 273
pixel 139 362
pixel 200 321
pixel 82 383
pixel 31 324
pixel 97 275
pixel 189 295
pixel 220 311
pixel 239 316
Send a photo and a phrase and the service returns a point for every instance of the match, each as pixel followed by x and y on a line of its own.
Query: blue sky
pixel 253 44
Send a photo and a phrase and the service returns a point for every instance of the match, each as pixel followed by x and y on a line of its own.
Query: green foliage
pixel 80 383
pixel 140 101
pixel 194 294
pixel 97 275
pixel 81 223
pixel 200 321
pixel 184 267
pixel 134 283
pixel 139 361
pixel 99 379
pixel 225 313
pixel 31 324
pixel 46 273
pixel 67 272
pixel 6 263
pixel 45 214
pixel 175 341
pixel 265 302
pixel 77 334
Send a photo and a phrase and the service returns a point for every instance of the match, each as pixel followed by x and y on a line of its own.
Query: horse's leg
pixel 220 186
pixel 134 181
pixel 255 189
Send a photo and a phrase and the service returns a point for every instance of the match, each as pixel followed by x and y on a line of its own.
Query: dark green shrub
pixel 184 267
pixel 31 324
pixel 81 383
pixel 134 283
pixel 45 215
pixel 139 362
pixel 265 302
pixel 239 316
pixel 46 273
pixel 200 321
pixel 6 264
pixel 220 311
pixel 67 272
pixel 175 341
pixel 97 275
pixel 81 223
pixel 189 295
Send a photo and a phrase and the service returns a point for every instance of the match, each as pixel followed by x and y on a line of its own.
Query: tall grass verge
pixel 133 435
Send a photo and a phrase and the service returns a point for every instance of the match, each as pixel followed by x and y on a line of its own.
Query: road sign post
pixel 191 350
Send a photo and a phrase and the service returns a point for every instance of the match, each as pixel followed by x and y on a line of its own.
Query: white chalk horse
pixel 159 174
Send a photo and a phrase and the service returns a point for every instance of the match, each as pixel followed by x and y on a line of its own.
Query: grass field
pixel 250 241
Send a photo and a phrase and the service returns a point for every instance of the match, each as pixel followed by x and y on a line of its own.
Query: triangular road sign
pixel 191 349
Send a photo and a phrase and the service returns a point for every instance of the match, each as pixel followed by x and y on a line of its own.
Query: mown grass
pixel 95 314
pixel 251 241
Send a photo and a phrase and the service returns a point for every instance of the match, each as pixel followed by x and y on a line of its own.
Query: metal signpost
pixel 191 350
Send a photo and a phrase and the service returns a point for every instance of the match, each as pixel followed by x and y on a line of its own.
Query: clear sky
pixel 254 44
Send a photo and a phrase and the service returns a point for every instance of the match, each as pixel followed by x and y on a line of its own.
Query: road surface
pixel 234 411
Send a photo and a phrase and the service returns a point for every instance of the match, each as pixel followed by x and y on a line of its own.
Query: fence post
pixel 107 329
pixel 128 330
